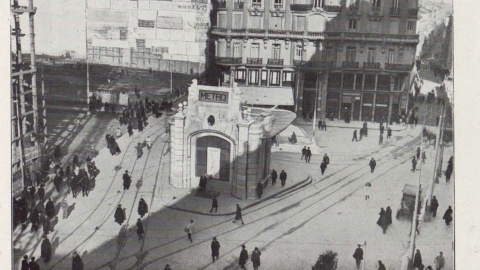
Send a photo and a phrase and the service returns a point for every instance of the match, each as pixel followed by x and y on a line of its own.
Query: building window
pixel 123 33
pixel 264 78
pixel 376 3
pixel 278 4
pixel 140 43
pixel 237 21
pixel 298 52
pixel 319 3
pixel 299 23
pixel 288 78
pixel 350 54
pixel 391 56
pixel 395 5
pixel 371 55
pixel 275 77
pixel 256 3
pixel 255 50
pixel 253 75
pixel 411 26
pixel 146 23
pixel 276 51
pixel 327 53
pixel 237 50
pixel 352 24
pixel 240 75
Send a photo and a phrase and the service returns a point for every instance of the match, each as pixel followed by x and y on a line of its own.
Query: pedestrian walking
pixel 439 261
pixel 274 177
pixel 149 142
pixel 382 220
pixel 130 130
pixel 34 219
pixel 50 209
pixel 46 249
pixel 126 180
pixel 215 246
pixel 326 159
pixel 434 206
pixel 85 183
pixel 33 265
pixel 41 193
pixel 139 150
pixel 142 207
pixel 380 139
pixel 190 229
pixel 259 189
pixel 365 129
pixel 64 206
pixel 25 263
pixel 57 182
pixel 414 164
pixel 358 256
pixel 355 135
pixel 308 155
pixel 448 215
pixel 389 133
pixel 167 267
pixel 372 165
pixel 360 131
pixel 32 192
pixel 140 230
pixel 418 152
pixel 256 258
pixel 203 183
pixel 417 261
pixel 388 214
pixel 46 225
pixel 283 177
pixel 119 215
pixel 381 266
pixel 77 263
pixel 323 166
pixel 448 174
pixel 238 215
pixel 304 152
pixel 243 257
pixel 367 190
pixel 424 157
pixel 214 205
pixel 118 133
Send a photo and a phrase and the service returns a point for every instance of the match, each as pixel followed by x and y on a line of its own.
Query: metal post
pixel 86 53
pixel 365 255
pixel 315 110
pixel 171 75
pixel 44 109
pixel 246 168
pixel 33 66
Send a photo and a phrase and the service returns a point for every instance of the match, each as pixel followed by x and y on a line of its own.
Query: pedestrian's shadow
pixel 55 244
pixel 53 223
pixel 122 235
pixel 92 183
pixel 70 209
pixel 57 208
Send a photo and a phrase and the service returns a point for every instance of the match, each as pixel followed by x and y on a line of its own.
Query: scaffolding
pixel 28 119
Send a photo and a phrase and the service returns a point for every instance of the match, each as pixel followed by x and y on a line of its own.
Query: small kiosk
pixel 217 135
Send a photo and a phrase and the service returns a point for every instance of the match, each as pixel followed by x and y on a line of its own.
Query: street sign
pixel 213 96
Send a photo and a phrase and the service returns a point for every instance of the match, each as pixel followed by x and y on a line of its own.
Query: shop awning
pixel 267 96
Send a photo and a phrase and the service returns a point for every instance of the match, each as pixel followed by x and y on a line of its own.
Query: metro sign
pixel 213 96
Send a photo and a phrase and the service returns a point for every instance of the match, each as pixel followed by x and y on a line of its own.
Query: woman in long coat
pixel 119 215
pixel 139 150
pixel 142 207
pixel 243 257
pixel 46 225
pixel 77 263
pixel 50 209
pixel 46 250
pixel 388 214
pixel 448 215
pixel 417 260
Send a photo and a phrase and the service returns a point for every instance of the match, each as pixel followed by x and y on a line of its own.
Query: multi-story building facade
pixel 161 35
pixel 346 57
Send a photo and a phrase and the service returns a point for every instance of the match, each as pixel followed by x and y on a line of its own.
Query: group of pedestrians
pixel 438 262
pixel 306 153
pixel 385 218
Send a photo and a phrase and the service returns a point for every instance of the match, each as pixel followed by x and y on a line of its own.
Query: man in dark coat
pixel 214 205
pixel 140 230
pixel 326 159
pixel 418 152
pixel 434 206
pixel 259 189
pixel 388 214
pixel 215 248
pixel 32 192
pixel 355 135
pixel 126 180
pixel 77 263
pixel 448 174
pixel 372 165
pixel 256 258
pixel 382 220
pixel 41 193
pixel 304 152
pixel 34 219
pixel 243 257
pixel 142 207
pixel 448 215
pixel 358 256
pixel 50 208
pixel 365 129
pixel 323 166
pixel 238 215
pixel 414 164
pixel 33 265
pixel 417 261
pixel 57 182
pixel 85 184
pixel 203 183
pixel 25 263
pixel 381 266
pixel 139 150
pixel 46 249
pixel 283 177
pixel 130 130
pixel 308 155
pixel 119 215
pixel 46 225
pixel 274 177
pixel 389 133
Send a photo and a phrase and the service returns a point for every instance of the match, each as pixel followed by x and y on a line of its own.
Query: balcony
pixel 353 10
pixel 275 62
pixel 278 6
pixel 348 64
pixel 256 5
pixel 375 14
pixel 254 61
pixel 328 8
pixel 221 4
pixel 371 65
pixel 376 9
pixel 238 5
pixel 413 12
pixel 313 64
pixel 394 12
pixel 229 60
pixel 301 7
pixel 354 36
pixel 399 67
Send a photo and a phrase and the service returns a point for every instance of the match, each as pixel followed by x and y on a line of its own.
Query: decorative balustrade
pixel 275 62
pixel 313 64
pixel 328 8
pixel 229 60
pixel 301 7
pixel 371 65
pixel 348 64
pixel 399 67
pixel 238 5
pixel 254 61
pixel 221 4
pixel 394 11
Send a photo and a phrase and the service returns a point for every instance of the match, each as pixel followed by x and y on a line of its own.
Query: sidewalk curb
pixel 331 126
pixel 302 183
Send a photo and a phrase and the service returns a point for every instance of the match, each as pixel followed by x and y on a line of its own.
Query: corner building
pixel 353 57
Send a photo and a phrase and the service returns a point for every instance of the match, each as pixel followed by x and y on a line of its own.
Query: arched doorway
pixel 213 158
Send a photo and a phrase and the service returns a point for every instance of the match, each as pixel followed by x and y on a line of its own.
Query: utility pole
pixel 315 110
pixel 86 53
